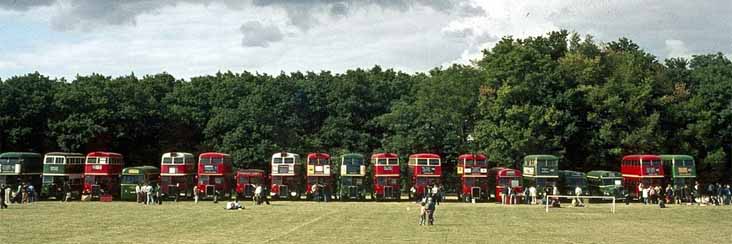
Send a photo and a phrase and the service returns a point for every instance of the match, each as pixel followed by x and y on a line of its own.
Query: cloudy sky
pixel 63 38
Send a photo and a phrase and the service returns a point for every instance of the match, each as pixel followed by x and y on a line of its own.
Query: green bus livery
pixel 134 176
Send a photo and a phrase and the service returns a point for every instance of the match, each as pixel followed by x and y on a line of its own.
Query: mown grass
pixel 359 222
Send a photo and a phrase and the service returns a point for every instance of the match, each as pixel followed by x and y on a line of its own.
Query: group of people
pixel 320 192
pixel 25 193
pixel 259 197
pixel 148 194
pixel 713 194
pixel 435 191
pixel 428 204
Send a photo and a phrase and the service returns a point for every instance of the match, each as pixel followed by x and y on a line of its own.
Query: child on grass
pixel 422 212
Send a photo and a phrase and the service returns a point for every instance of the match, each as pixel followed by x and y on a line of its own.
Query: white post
pixel 547 203
pixel 613 205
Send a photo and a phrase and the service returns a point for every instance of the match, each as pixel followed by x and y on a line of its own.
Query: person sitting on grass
pixel 236 205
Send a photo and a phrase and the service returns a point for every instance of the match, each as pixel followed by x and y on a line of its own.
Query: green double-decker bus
pixel 20 167
pixel 134 176
pixel 540 171
pixel 62 172
pixel 605 183
pixel 353 177
pixel 682 168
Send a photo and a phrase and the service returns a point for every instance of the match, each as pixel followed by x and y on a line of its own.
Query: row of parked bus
pixel 103 173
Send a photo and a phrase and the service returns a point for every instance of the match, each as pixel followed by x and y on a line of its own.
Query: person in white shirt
pixel 258 194
pixel 645 195
pixel 148 192
pixel 138 192
pixel 577 193
pixel 532 194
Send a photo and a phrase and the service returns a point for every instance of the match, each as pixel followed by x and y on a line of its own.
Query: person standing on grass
pixel 2 197
pixel 436 194
pixel 158 194
pixel 430 211
pixel 195 193
pixel 644 195
pixel 640 191
pixel 423 212
pixel 138 192
pixel 149 193
pixel 532 194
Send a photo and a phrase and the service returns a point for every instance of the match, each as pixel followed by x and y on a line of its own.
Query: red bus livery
pixel 637 169
pixel 214 174
pixel 177 173
pixel 247 181
pixel 101 173
pixel 499 178
pixel 425 169
pixel 473 171
pixel 286 176
pixel 318 172
pixel 386 176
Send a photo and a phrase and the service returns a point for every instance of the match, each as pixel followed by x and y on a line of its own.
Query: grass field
pixel 351 222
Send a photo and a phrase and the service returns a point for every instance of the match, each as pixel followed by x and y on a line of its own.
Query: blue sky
pixel 63 38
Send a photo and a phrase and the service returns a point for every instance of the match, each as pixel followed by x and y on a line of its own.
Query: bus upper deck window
pixel 434 162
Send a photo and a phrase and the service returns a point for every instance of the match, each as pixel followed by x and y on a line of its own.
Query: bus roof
pixel 318 156
pixel 503 171
pixel 213 154
pixel 641 157
pixel 64 154
pixel 472 157
pixel 424 155
pixel 604 174
pixel 385 155
pixel 541 156
pixel 285 155
pixel 104 154
pixel 20 155
pixel 141 170
pixel 672 156
pixel 178 154
pixel 570 173
pixel 353 155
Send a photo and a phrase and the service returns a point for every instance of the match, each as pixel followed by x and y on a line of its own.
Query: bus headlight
pixel 293 194
pixel 272 194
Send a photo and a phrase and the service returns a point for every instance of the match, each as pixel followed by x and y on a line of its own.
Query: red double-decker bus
pixel 286 176
pixel 214 174
pixel 247 181
pixel 386 176
pixel 645 169
pixel 500 178
pixel 177 174
pixel 101 173
pixel 318 172
pixel 473 171
pixel 425 169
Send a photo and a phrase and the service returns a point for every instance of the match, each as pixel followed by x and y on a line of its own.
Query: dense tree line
pixel 561 94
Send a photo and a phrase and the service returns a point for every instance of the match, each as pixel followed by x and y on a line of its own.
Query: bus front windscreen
pixel 133 179
pixel 611 182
